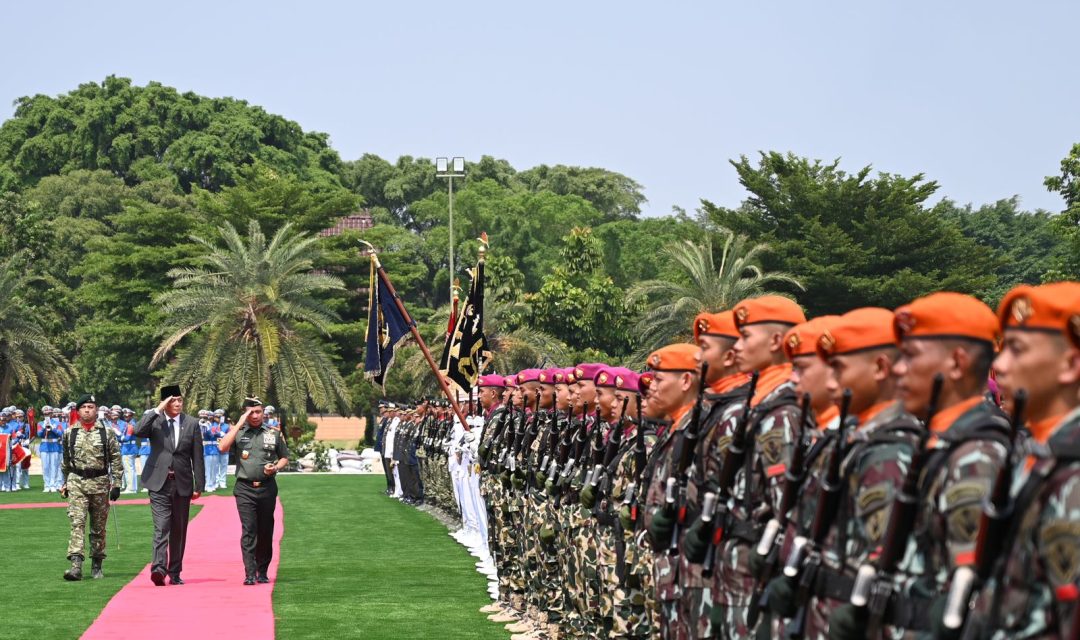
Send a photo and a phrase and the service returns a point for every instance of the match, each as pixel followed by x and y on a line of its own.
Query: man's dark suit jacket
pixel 186 460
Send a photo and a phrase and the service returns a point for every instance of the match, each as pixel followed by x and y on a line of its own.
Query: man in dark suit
pixel 174 475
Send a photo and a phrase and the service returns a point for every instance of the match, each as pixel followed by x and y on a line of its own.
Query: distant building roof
pixel 353 222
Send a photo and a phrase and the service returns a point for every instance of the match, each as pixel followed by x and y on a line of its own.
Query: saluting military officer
pixel 262 454
pixel 93 473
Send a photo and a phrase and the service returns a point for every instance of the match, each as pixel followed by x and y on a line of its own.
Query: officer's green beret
pixel 86 398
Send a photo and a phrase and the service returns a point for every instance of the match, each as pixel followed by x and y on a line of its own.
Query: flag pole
pixel 416 336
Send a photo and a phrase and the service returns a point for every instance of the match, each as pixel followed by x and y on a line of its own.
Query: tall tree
pixel 852 239
pixel 28 359
pixel 703 286
pixel 1067 183
pixel 248 313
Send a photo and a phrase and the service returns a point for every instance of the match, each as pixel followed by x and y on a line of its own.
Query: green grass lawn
pixel 356 564
pixel 33 547
pixel 34 493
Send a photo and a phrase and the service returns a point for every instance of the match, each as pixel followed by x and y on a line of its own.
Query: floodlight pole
pixel 450 170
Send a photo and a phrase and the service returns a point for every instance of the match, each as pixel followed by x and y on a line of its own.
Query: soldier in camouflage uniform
pixel 489 395
pixel 626 581
pixel 1034 592
pixel 762 323
pixel 674 371
pixel 860 351
pixel 715 335
pixel 952 335
pixel 93 472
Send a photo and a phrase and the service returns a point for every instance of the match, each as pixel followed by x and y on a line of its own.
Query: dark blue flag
pixel 387 327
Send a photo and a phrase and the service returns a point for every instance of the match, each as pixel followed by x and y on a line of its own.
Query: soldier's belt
pixel 50 440
pixel 745 530
pixel 89 474
pixel 829 583
pixel 908 612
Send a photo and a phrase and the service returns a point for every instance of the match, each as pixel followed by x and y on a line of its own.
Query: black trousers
pixel 389 471
pixel 170 512
pixel 256 507
pixel 410 481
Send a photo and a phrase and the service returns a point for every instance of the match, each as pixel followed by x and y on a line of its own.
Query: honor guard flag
pixel 387 327
pixel 444 360
pixel 466 348
pixel 5 445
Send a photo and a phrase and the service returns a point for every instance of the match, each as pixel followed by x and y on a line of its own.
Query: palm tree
pixel 511 349
pixel 251 316
pixel 672 305
pixel 27 357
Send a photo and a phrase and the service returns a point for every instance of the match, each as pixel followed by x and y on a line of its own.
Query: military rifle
pixel 874 585
pixel 684 455
pixel 734 458
pixel 993 530
pixel 601 481
pixel 805 558
pixel 768 547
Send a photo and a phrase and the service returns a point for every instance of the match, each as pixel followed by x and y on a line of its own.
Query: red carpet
pixel 44 505
pixel 212 602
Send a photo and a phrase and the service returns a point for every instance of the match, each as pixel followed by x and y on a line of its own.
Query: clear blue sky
pixel 981 96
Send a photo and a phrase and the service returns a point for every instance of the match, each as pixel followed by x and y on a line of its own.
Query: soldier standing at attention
pixel 93 472
pixel 951 335
pixel 262 453
pixel 1032 592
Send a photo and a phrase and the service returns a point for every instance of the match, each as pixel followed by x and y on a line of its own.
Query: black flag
pixel 467 349
pixel 387 327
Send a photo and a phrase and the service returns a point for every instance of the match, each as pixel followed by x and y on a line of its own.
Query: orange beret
pixel 947 315
pixel 858 330
pixel 776 309
pixel 801 340
pixel 675 357
pixel 1043 308
pixel 716 324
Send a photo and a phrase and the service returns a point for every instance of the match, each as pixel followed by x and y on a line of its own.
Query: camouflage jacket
pixel 712 445
pixel 1035 596
pixel 759 484
pixel 875 465
pixel 83 452
pixel 955 482
pixel 665 565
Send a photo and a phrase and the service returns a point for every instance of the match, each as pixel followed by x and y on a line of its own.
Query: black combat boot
pixel 95 569
pixel 75 572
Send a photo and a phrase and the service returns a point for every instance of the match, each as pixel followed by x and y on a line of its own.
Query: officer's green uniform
pixel 91 465
pixel 256 495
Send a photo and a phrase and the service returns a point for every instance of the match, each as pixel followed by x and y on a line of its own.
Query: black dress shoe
pixel 175 580
pixel 262 580
pixel 157 578
pixel 249 580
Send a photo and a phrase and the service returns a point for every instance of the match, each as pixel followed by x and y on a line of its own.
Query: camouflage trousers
pixel 734 588
pixel 631 615
pixel 574 607
pixel 83 508
pixel 587 588
pixel 665 574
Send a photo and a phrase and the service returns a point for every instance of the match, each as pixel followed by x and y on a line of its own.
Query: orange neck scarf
pixel 677 415
pixel 944 418
pixel 769 379
pixel 827 416
pixel 727 383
